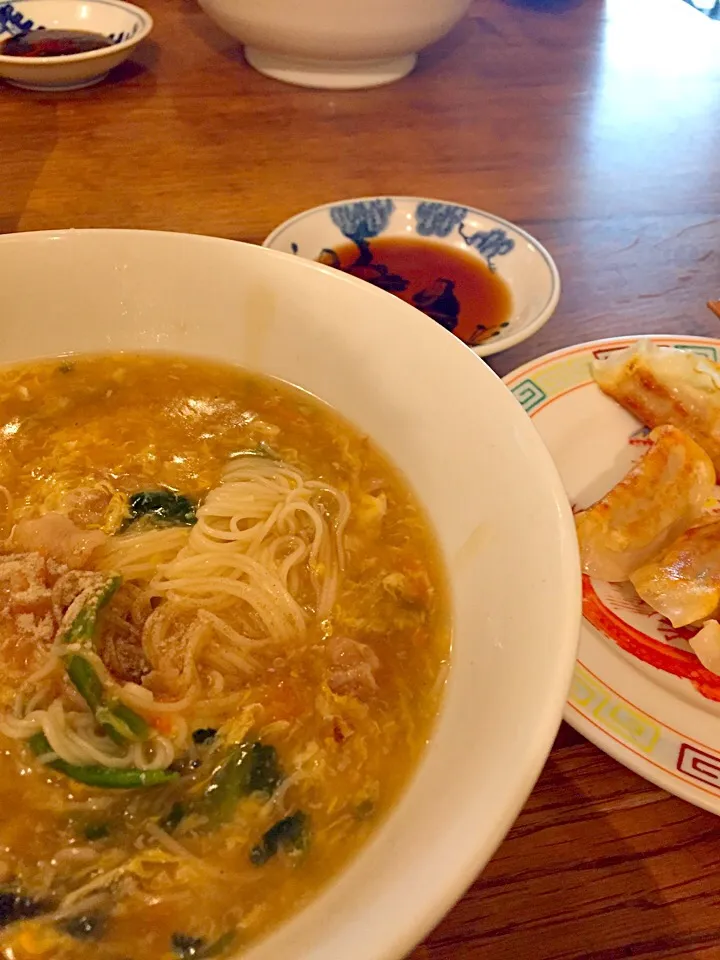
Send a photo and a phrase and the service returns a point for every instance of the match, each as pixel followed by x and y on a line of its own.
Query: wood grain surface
pixel 594 125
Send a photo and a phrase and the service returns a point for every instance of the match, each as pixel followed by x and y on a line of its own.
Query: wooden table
pixel 596 126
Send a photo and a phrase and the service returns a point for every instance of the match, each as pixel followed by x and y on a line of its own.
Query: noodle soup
pixel 223 635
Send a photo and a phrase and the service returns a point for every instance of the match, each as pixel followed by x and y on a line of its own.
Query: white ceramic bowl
pixel 123 23
pixel 518 258
pixel 472 455
pixel 338 44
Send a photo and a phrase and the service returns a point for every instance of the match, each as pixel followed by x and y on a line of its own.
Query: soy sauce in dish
pixel 53 43
pixel 457 289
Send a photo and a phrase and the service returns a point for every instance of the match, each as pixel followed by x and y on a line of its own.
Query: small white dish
pixel 638 692
pixel 122 23
pixel 522 262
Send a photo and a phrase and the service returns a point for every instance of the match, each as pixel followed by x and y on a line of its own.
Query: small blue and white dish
pixel 118 27
pixel 512 285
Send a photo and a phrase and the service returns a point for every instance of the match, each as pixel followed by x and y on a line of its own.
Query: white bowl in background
pixel 339 44
pixel 124 23
pixel 473 457
pixel 519 259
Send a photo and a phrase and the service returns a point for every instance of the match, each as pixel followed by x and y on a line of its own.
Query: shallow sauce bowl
pixel 123 23
pixel 519 259
pixel 490 489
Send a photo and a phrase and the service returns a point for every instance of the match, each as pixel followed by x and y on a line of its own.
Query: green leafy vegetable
pixel 204 735
pixel 88 926
pixel 186 947
pixel 120 722
pixel 248 768
pixel 96 831
pixel 162 507
pixel 291 833
pixel 82 629
pixel 17 906
pixel 173 817
pixel 125 724
pixel 265 773
pixel 230 781
pixel 106 778
pixel 84 678
pixel 364 810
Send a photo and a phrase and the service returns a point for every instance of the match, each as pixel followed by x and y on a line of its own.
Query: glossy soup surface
pixel 143 873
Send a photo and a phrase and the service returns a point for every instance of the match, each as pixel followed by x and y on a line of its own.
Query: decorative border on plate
pixel 675 754
pixel 553 377
pixel 646 737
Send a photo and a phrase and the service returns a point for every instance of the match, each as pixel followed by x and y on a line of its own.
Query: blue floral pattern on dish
pixel 434 219
pixel 362 220
pixel 123 35
pixel 438 219
pixel 11 21
pixel 488 243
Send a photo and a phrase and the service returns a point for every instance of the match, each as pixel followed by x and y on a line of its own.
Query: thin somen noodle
pixel 266 524
pixel 223 639
pixel 265 556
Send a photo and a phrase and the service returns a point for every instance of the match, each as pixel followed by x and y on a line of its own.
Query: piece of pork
pixel 54 535
pixel 123 655
pixel 352 668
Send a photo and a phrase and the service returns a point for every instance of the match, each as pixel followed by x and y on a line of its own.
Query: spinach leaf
pixel 81 629
pixel 16 906
pixel 107 778
pixel 173 817
pixel 196 948
pixel 265 772
pixel 291 833
pixel 203 735
pixel 88 926
pixel 96 831
pixel 364 810
pixel 163 507
pixel 186 947
pixel 248 768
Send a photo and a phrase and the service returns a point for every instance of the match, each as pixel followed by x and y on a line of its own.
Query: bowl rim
pixel 501 342
pixel 471 860
pixel 125 45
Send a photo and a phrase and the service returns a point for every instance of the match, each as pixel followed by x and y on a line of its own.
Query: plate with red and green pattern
pixel 638 691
